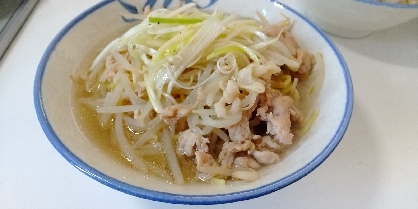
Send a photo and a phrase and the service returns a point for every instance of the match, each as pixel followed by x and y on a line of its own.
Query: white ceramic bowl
pixel 357 18
pixel 77 44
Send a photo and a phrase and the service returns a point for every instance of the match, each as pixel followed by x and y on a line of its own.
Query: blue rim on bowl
pixel 177 198
pixel 379 3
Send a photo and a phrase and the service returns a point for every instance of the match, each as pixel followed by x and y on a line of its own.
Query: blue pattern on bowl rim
pixel 151 3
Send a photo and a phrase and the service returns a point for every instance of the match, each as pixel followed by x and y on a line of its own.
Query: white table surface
pixel 374 166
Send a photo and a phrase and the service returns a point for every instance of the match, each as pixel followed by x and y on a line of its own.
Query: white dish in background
pixel 13 15
pixel 357 18
pixel 75 47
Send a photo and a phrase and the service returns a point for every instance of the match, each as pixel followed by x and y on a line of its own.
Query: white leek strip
pixel 249 35
pixel 233 34
pixel 125 146
pixel 229 19
pixel 119 109
pixel 250 23
pixel 161 31
pixel 245 39
pixel 153 42
pixel 161 78
pixel 126 37
pixel 243 58
pixel 172 42
pixel 171 157
pixel 251 53
pixel 154 97
pixel 146 49
pixel 240 31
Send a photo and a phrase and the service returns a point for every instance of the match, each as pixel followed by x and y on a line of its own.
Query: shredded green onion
pixel 224 50
pixel 174 20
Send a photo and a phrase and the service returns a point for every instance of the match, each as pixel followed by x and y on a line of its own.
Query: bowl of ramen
pixel 359 18
pixel 191 102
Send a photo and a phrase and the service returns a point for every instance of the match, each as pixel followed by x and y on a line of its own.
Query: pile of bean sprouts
pixel 183 58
